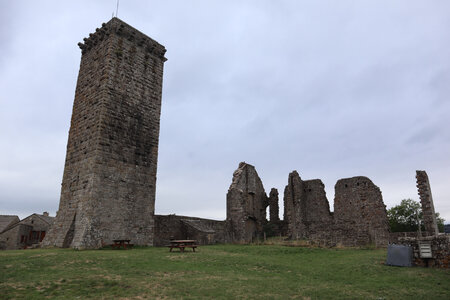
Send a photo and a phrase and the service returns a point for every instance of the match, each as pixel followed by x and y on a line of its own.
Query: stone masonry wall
pixel 426 199
pixel 440 250
pixel 307 211
pixel 246 204
pixel 294 207
pixel 16 237
pixel 359 212
pixel 318 217
pixel 204 231
pixel 108 189
pixel 359 217
pixel 273 205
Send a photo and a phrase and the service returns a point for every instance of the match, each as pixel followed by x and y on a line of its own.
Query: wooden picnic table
pixel 181 244
pixel 125 244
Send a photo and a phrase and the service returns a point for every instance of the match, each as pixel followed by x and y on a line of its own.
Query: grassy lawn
pixel 219 272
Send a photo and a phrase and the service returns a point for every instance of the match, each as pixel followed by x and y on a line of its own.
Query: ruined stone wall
pixel 294 207
pixel 359 212
pixel 108 189
pixel 426 199
pixel 246 204
pixel 359 217
pixel 306 208
pixel 440 243
pixel 273 205
pixel 318 219
pixel 204 231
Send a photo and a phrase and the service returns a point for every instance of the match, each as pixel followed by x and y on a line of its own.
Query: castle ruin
pixel 359 217
pixel 109 181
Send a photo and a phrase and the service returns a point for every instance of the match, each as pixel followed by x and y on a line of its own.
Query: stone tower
pixel 108 188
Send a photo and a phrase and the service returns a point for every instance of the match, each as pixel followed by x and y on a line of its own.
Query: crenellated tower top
pixel 119 27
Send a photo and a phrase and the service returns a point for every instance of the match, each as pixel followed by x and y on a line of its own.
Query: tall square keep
pixel 108 188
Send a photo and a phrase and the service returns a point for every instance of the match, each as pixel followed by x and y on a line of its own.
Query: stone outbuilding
pixel 26 233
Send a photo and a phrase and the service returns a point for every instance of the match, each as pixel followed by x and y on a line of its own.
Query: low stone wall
pixel 395 236
pixel 204 231
pixel 440 249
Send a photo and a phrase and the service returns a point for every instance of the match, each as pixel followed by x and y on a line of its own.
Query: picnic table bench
pixel 125 244
pixel 181 244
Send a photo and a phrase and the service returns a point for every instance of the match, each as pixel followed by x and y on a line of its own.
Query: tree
pixel 408 215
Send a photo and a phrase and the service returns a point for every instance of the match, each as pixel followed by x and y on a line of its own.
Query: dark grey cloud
pixel 331 89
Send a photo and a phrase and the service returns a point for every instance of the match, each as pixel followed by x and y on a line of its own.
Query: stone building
pixel 26 233
pixel 246 205
pixel 109 181
pixel 6 221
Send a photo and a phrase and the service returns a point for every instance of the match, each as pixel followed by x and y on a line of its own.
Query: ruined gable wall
pixel 318 219
pixel 293 210
pixel 426 199
pixel 306 208
pixel 108 189
pixel 359 212
pixel 36 222
pixel 317 206
pixel 246 204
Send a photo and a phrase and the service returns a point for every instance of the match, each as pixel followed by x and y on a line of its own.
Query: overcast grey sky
pixel 332 89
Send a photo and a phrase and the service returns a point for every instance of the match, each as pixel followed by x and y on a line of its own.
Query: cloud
pixel 331 89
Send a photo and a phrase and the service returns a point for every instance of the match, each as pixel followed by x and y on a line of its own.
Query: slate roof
pixel 7 221
pixel 47 219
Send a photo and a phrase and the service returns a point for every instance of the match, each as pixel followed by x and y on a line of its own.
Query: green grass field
pixel 219 272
